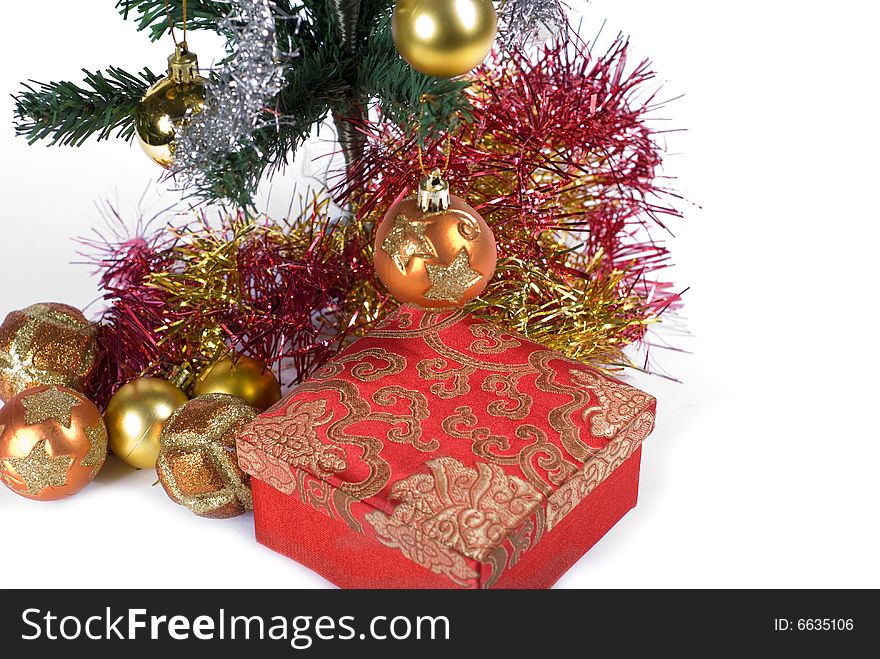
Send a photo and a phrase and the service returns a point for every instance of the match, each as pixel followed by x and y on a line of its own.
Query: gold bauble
pixel 52 443
pixel 444 38
pixel 135 417
pixel 197 462
pixel 242 376
pixel 47 343
pixel 433 250
pixel 169 105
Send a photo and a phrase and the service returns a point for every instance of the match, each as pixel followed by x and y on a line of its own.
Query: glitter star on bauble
pixel 40 470
pixel 449 282
pixel 406 241
pixel 51 404
pixel 2 466
pixel 97 436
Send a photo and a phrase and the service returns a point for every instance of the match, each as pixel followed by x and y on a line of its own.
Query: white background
pixel 762 469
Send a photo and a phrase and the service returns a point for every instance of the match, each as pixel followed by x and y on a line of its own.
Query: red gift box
pixel 441 451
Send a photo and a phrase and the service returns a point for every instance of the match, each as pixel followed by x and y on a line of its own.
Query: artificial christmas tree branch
pixel 68 114
pixel 152 15
pixel 338 58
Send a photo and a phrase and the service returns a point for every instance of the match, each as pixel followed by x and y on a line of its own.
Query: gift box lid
pixel 446 426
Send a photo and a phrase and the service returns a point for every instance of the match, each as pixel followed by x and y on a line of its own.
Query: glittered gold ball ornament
pixel 247 378
pixel 432 249
pixel 47 343
pixel 169 105
pixel 197 464
pixel 444 38
pixel 135 416
pixel 52 443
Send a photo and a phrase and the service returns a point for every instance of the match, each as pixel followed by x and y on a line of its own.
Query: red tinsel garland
pixel 179 299
pixel 559 159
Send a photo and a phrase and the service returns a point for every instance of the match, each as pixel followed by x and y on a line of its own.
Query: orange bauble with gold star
pixel 52 443
pixel 433 250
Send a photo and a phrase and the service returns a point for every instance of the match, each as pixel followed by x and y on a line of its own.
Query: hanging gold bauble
pixel 135 417
pixel 197 462
pixel 244 377
pixel 444 38
pixel 432 249
pixel 169 105
pixel 52 443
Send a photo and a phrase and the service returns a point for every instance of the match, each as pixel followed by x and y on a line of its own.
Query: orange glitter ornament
pixel 197 462
pixel 47 343
pixel 52 443
pixel 432 249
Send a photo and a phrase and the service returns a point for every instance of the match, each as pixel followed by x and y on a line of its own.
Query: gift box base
pixel 354 560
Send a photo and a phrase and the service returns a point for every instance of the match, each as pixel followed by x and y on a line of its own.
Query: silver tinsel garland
pixel 242 89
pixel 524 23
pixel 252 77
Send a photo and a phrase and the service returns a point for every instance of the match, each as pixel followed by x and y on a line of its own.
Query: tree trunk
pixel 351 140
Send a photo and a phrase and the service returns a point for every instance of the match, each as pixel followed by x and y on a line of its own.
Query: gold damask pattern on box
pixel 293 435
pixel 469 510
pixel 617 405
pixel 492 340
pixel 403 326
pixel 603 464
pixel 494 475
pixel 294 438
pixel 505 549
pixel 485 514
pixel 422 549
pixel 303 486
pixel 520 540
pixel 363 369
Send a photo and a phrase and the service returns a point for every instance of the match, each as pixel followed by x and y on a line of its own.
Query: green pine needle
pixel 66 113
pixel 152 15
pixel 322 79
